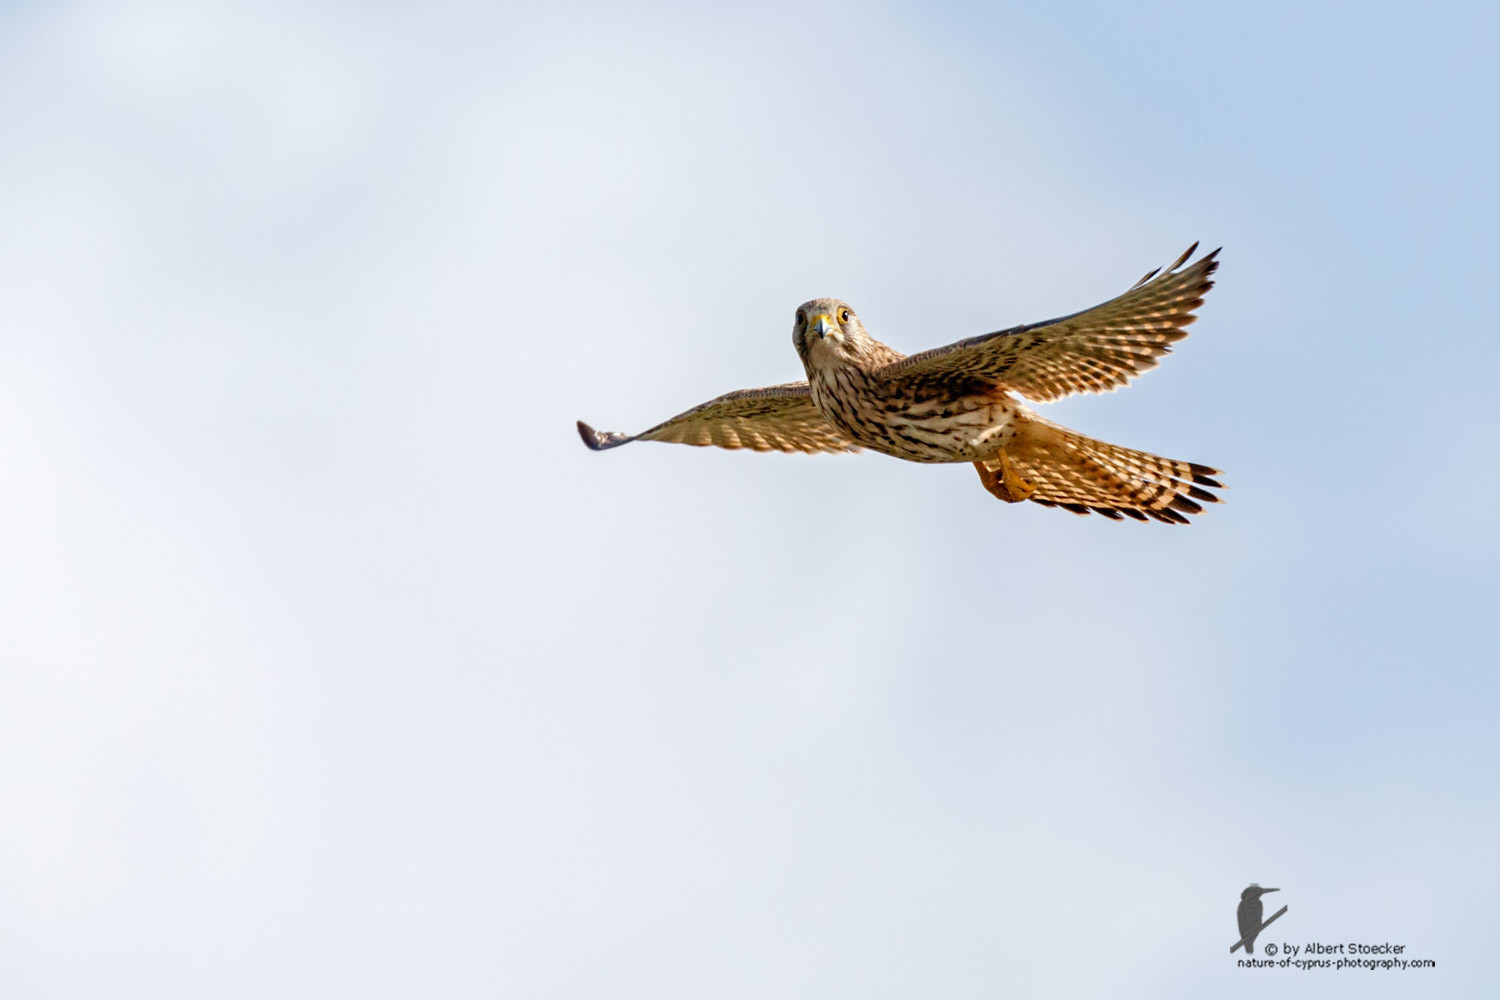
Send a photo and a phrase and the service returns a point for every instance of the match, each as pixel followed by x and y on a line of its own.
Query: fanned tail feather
pixel 1084 475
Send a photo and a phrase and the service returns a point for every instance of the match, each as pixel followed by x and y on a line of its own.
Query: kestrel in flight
pixel 958 403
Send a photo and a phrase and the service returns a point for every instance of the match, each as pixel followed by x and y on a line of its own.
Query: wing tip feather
pixel 601 440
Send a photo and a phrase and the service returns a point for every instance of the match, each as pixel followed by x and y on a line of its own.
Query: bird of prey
pixel 1249 913
pixel 959 403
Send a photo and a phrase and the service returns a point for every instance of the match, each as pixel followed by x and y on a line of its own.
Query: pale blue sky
pixel 333 664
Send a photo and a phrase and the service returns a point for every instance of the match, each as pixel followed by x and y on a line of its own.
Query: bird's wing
pixel 1249 915
pixel 1097 350
pixel 776 418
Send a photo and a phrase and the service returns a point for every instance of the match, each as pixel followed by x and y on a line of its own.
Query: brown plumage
pixel 955 403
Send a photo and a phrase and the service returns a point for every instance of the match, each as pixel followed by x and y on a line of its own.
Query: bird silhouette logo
pixel 1249 915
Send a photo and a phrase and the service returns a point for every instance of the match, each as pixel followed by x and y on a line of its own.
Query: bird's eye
pixel 843 315
pixel 801 317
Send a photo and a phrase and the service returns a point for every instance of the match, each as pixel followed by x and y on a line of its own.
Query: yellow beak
pixel 822 325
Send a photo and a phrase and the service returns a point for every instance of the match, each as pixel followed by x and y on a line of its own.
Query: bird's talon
pixel 1005 482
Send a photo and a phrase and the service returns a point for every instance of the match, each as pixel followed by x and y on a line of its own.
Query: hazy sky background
pixel 334 665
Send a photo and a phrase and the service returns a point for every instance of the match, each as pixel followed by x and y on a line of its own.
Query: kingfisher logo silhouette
pixel 1249 916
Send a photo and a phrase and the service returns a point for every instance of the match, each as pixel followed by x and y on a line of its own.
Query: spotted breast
pixel 902 421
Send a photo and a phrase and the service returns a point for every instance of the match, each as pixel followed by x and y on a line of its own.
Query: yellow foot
pixel 1004 482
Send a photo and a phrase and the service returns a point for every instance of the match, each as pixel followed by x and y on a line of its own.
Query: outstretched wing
pixel 776 418
pixel 1097 350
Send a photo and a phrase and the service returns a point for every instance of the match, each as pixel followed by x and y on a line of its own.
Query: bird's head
pixel 827 330
pixel 1253 891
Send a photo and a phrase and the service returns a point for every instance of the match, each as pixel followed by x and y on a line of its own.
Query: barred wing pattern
pixel 1097 350
pixel 1083 475
pixel 776 418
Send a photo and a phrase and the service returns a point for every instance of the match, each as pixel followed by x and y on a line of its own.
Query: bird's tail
pixel 1249 945
pixel 1066 469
